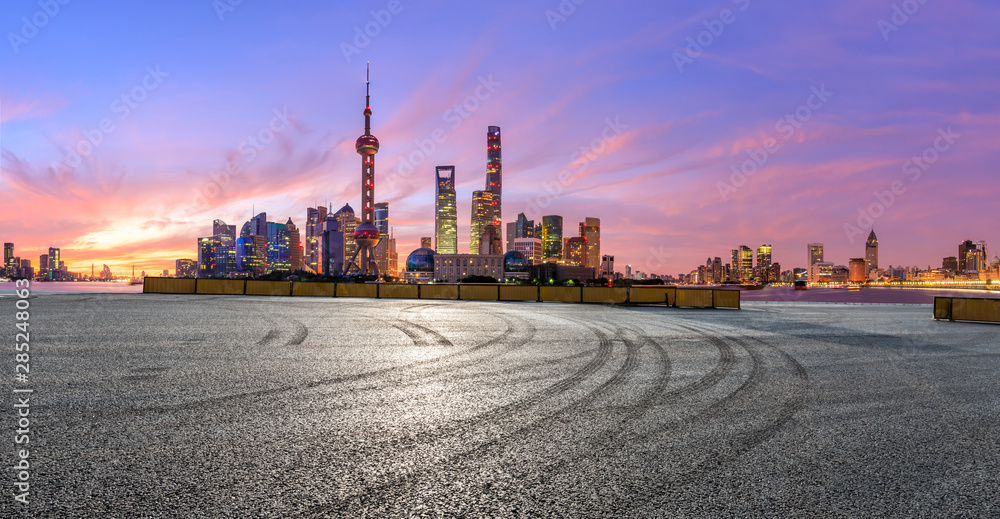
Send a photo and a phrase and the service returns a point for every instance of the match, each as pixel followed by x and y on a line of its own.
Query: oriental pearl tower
pixel 366 234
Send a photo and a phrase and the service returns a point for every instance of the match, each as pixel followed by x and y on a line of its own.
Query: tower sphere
pixel 366 235
pixel 366 145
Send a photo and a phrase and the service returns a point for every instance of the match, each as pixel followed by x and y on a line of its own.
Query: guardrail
pixel 967 309
pixel 636 295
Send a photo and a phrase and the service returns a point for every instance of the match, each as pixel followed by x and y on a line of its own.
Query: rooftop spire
pixel 368 104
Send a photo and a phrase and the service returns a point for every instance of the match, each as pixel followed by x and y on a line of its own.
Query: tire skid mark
pixel 356 502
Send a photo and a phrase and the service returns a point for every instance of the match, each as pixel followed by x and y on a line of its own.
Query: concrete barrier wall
pixel 648 295
pixel 394 291
pixel 310 289
pixel 479 292
pixel 221 286
pixel 168 285
pixel 607 295
pixel 672 296
pixel 268 288
pixel 518 293
pixel 987 310
pixel 561 294
pixel 436 291
pixel 694 297
pixel 942 308
pixel 357 290
pixel 726 298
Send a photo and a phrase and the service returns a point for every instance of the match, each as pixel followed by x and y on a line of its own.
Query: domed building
pixel 515 265
pixel 420 266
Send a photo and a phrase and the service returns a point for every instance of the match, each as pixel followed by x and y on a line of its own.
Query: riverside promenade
pixel 242 406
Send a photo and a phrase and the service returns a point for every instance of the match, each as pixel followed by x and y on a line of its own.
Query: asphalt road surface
pixel 200 406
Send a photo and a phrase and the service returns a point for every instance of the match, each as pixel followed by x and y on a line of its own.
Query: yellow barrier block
pixel 256 287
pixel 479 292
pixel 644 295
pixel 607 295
pixel 168 286
pixel 987 310
pixel 727 299
pixel 357 290
pixel 313 289
pixel 518 293
pixel 693 297
pixel 435 291
pixel 562 294
pixel 942 308
pixel 221 286
pixel 394 291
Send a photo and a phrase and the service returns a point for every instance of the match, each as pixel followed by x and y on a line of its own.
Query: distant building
pixel 482 215
pixel 185 268
pixel 294 246
pixel 315 217
pixel 607 266
pixel 590 228
pixel 8 260
pixel 552 237
pixel 871 253
pixel 455 267
pixel 445 212
pixel 207 266
pixel 348 223
pixel 225 248
pixel 822 272
pixel 489 241
pixel 333 247
pixel 426 242
pixel 561 272
pixel 815 255
pixel 950 263
pixel 420 266
pixel 763 263
pixel 746 264
pixel 576 251
pixel 972 256
pixel 494 179
pixel 55 271
pixel 857 270
pixel 520 228
pixel 531 248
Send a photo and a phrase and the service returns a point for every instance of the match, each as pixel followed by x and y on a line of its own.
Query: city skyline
pixel 634 125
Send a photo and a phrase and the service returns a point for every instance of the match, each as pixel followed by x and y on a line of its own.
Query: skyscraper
pixel 8 259
pixel 590 228
pixel 294 246
pixel 382 217
pixel 746 264
pixel 482 215
pixel 576 251
pixel 207 266
pixel 763 263
pixel 382 250
pixel 366 235
pixel 552 237
pixel 494 175
pixel 225 248
pixel 333 245
pixel 815 255
pixel 55 263
pixel 871 253
pixel 315 216
pixel 446 214
pixel 348 222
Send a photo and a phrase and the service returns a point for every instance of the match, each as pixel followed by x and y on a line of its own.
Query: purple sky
pixel 607 110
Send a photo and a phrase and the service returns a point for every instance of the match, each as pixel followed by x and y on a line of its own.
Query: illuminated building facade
pixel 185 268
pixel 590 228
pixel 607 266
pixel 315 216
pixel 552 237
pixel 531 248
pixel 763 263
pixel 8 259
pixel 455 267
pixel 745 264
pixel 445 211
pixel 871 253
pixel 294 245
pixel 482 215
pixel 815 255
pixel 494 176
pixel 857 271
pixel 426 242
pixel 576 251
pixel 333 246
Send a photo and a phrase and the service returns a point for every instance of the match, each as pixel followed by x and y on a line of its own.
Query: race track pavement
pixel 230 406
